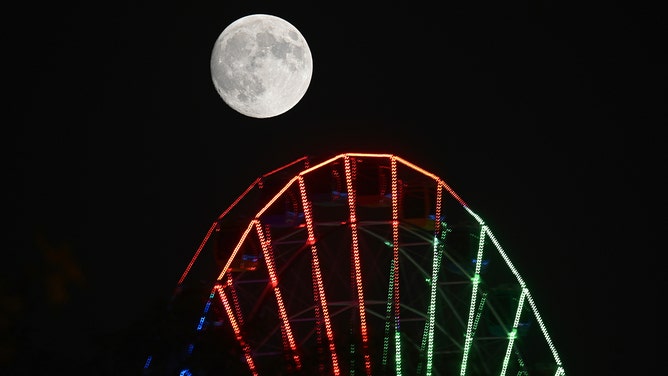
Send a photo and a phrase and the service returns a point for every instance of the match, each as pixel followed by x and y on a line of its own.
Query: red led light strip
pixel 237 330
pixel 351 175
pixel 286 330
pixel 317 277
pixel 395 261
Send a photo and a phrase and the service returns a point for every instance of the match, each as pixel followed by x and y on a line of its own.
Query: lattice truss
pixel 362 264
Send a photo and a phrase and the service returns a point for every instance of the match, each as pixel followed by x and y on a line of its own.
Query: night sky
pixel 547 119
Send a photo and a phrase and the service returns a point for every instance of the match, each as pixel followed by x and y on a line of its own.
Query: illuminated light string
pixel 320 293
pixel 388 316
pixel 237 331
pixel 481 305
pixel 257 182
pixel 525 292
pixel 200 324
pixel 436 265
pixel 429 328
pixel 395 269
pixel 474 298
pixel 393 279
pixel 286 330
pixel 226 268
pixel 148 362
pixel 350 177
pixel 534 308
pixel 513 334
pixel 316 282
pixel 206 310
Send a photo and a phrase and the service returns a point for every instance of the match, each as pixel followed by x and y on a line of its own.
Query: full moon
pixel 261 65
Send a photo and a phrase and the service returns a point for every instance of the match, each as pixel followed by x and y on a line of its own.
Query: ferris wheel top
pixel 356 224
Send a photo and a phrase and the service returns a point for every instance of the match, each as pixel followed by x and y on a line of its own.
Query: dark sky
pixel 545 118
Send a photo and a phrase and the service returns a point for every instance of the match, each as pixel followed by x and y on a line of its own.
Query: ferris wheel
pixel 359 264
